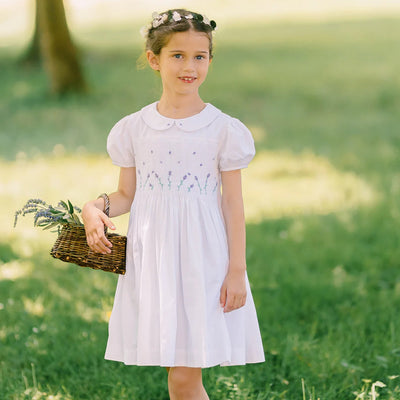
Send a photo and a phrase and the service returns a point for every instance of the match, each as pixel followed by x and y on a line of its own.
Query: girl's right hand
pixel 94 220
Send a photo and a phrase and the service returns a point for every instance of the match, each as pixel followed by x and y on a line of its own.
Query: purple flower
pixel 201 165
pixel 185 177
pixel 156 175
pixel 170 152
pixel 194 152
pixel 169 173
pixel 208 175
pixel 160 162
pixel 189 173
pixel 151 151
pixel 196 178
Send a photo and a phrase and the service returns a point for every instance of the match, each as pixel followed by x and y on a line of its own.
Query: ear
pixel 154 61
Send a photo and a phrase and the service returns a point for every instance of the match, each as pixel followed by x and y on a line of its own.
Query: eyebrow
pixel 182 51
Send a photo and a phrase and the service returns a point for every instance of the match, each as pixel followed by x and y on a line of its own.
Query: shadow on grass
pixel 326 289
pixel 54 321
pixel 7 254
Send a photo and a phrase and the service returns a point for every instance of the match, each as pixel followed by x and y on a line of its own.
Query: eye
pixel 177 56
pixel 200 57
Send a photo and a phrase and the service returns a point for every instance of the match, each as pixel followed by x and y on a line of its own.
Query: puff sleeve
pixel 237 148
pixel 120 145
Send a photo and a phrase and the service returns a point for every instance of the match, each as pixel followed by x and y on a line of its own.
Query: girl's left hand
pixel 233 291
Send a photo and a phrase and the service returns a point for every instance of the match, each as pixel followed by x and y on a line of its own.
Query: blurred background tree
pixel 32 55
pixel 52 44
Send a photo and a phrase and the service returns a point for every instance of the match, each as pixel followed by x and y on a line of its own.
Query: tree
pixel 32 55
pixel 57 50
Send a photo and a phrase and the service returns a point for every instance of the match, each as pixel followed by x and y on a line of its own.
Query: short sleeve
pixel 120 145
pixel 237 149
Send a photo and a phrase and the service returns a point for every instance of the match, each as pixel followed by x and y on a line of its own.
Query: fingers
pixel 234 301
pixel 107 221
pixel 99 243
pixel 96 239
pixel 222 297
pixel 94 222
pixel 233 292
pixel 102 244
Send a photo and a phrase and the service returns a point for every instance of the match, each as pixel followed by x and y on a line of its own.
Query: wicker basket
pixel 71 246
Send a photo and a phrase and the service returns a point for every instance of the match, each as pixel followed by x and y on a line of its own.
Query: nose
pixel 189 65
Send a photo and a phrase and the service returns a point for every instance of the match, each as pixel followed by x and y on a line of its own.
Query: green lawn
pixel 322 206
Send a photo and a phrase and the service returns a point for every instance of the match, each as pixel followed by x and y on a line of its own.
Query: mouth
pixel 187 79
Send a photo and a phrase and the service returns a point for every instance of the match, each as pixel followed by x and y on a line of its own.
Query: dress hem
pixel 225 363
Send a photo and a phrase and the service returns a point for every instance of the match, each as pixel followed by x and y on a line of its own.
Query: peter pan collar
pixel 156 121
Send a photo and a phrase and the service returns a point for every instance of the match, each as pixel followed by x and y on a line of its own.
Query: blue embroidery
pixel 205 186
pixel 159 180
pixel 198 184
pixel 145 183
pixel 181 183
pixel 188 182
pixel 169 179
pixel 140 177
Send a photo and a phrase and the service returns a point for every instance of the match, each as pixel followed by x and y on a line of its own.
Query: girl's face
pixel 183 63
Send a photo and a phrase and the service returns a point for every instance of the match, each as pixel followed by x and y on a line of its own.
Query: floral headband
pixel 176 17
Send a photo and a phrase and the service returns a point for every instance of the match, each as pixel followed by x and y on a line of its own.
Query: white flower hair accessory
pixel 159 19
pixel 174 16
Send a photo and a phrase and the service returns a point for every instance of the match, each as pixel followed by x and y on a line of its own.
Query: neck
pixel 180 106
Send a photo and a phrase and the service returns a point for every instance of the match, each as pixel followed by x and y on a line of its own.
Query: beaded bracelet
pixel 106 199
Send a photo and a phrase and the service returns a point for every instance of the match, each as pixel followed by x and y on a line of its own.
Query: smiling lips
pixel 188 79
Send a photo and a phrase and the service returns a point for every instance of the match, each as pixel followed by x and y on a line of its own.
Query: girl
pixel 185 301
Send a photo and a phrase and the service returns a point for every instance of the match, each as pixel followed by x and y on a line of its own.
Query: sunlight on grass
pixel 90 314
pixel 34 306
pixel 279 184
pixel 276 184
pixel 78 178
pixel 15 269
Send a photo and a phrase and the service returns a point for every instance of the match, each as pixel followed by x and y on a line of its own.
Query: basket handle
pixel 106 210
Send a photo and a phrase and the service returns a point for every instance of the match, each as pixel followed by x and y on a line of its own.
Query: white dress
pixel 166 309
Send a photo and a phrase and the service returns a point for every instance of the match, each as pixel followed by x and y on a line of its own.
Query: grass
pixel 322 206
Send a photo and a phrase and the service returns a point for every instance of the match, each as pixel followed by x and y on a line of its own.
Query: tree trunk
pixel 32 55
pixel 58 52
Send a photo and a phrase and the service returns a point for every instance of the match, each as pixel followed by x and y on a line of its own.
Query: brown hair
pixel 159 36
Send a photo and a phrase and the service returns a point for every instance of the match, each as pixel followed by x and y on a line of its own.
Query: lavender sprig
pixel 46 216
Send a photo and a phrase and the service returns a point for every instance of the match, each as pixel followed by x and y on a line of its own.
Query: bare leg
pixel 186 383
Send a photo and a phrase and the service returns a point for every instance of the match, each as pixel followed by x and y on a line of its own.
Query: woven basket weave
pixel 71 246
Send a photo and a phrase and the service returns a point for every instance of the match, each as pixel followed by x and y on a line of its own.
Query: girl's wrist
pixel 98 203
pixel 237 267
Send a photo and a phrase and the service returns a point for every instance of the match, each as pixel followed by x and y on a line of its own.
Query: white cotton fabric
pixel 166 309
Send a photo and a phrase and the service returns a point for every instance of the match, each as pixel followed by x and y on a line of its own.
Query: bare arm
pixel 120 203
pixel 233 290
